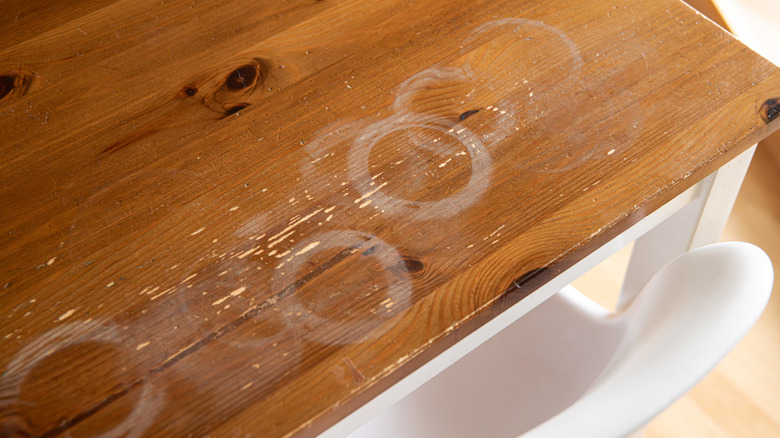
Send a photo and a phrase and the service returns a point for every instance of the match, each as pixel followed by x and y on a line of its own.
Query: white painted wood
pixel 571 368
pixel 699 223
pixel 479 336
pixel 692 218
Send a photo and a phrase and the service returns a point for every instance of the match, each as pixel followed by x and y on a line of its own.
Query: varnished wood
pixel 741 397
pixel 709 10
pixel 233 218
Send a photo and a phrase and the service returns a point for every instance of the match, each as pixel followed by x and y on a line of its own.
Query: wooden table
pixel 250 218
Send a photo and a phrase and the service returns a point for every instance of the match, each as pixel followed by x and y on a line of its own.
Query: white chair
pixel 569 368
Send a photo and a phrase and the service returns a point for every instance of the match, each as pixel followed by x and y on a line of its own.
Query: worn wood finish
pixel 741 397
pixel 227 218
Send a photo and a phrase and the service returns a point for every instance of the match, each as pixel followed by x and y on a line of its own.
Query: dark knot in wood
pixel 413 265
pixel 468 114
pixel 189 91
pixel 6 85
pixel 235 109
pixel 770 109
pixel 248 75
pixel 17 82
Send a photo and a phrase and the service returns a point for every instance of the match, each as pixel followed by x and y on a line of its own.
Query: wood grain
pixel 741 396
pixel 231 218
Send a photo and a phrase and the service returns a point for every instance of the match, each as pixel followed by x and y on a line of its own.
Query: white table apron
pixel 692 219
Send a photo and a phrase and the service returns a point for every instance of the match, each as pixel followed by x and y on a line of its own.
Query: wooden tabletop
pixel 228 217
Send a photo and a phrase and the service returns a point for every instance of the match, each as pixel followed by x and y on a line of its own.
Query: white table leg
pixel 697 224
pixel 706 205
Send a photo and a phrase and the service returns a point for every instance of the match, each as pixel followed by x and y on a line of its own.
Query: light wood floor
pixel 741 397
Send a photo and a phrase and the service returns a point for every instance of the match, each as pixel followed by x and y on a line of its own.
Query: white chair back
pixel 569 368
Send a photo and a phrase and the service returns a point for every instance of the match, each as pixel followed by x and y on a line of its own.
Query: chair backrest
pixel 686 319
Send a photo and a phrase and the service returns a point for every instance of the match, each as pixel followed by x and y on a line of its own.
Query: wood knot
pixel 248 75
pixel 527 277
pixel 16 83
pixel 412 265
pixel 6 85
pixel 235 109
pixel 235 89
pixel 188 91
pixel 468 114
pixel 525 284
pixel 242 78
pixel 770 109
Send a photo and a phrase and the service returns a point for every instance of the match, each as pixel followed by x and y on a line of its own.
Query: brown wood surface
pixel 248 218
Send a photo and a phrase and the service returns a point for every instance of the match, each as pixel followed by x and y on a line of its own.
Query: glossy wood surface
pixel 741 396
pixel 248 218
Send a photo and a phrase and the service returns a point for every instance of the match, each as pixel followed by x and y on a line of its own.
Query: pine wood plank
pixel 741 397
pixel 228 217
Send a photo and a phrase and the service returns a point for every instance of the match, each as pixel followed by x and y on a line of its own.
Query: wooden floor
pixel 741 397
